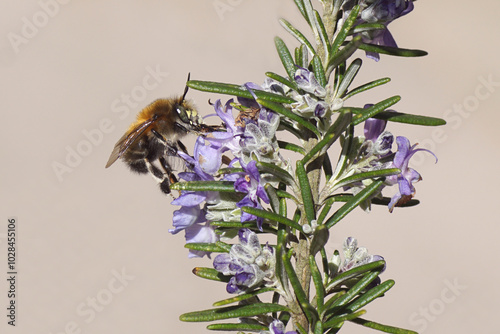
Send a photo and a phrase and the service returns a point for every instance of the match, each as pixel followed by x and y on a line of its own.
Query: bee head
pixel 188 115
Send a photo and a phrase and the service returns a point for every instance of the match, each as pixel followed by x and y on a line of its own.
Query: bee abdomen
pixel 138 166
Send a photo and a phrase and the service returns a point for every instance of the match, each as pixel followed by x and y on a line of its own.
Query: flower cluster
pixel 248 263
pixel 373 152
pixel 248 137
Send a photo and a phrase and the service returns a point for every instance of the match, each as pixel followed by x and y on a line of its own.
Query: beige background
pixel 77 231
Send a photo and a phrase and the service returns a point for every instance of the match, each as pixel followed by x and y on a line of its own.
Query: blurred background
pixel 94 252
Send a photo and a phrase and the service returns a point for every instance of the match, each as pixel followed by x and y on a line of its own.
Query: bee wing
pixel 128 139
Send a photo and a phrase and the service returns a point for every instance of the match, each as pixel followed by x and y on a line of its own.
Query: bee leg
pixel 171 149
pixel 168 177
pixel 162 178
pixel 182 147
pixel 165 186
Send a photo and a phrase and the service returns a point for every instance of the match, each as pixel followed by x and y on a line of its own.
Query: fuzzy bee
pixel 152 142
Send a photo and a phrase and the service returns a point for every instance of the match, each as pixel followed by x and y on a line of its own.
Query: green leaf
pixel 356 200
pixel 241 326
pixel 324 262
pixel 338 319
pixel 205 247
pixel 318 329
pixel 326 208
pixel 297 215
pixel 230 170
pixel 387 200
pixel 305 190
pixel 274 200
pixel 297 287
pixel 327 167
pixel 340 125
pixel 299 56
pixel 344 154
pixel 391 51
pixel 344 30
pixel 288 114
pixel 318 283
pixel 275 170
pixel 370 296
pixel 375 109
pixel 410 119
pixel 300 6
pixel 367 86
pixel 275 300
pixel 366 27
pixel 232 312
pixel 341 56
pixel 223 245
pixel 367 175
pixel 323 35
pixel 284 194
pixel 382 328
pixel 235 90
pixel 282 80
pixel 349 75
pixel 219 186
pixel 239 298
pixel 280 253
pixel 354 272
pixel 266 228
pixel 291 147
pixel 352 292
pixel 210 274
pixel 286 57
pixel 272 217
pixel 311 18
pixel 283 208
pixel 298 35
pixel 319 240
pixel 300 329
pixel 319 71
pixel 332 300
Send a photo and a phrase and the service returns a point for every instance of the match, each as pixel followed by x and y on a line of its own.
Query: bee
pixel 152 142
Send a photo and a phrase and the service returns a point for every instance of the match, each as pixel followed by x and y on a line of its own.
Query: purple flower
pixel 230 139
pixel 274 86
pixel 205 162
pixel 383 12
pixel 190 217
pixel 306 80
pixel 380 140
pixel 308 106
pixel 249 183
pixel 386 11
pixel 247 262
pixel 373 127
pixel 407 176
pixel 259 139
pixel 277 327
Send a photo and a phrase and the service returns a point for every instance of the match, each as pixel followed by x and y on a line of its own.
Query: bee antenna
pixel 187 88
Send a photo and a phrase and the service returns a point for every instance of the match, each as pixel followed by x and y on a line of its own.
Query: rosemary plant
pixel 240 183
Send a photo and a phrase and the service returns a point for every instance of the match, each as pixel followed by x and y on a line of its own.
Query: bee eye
pixel 183 115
